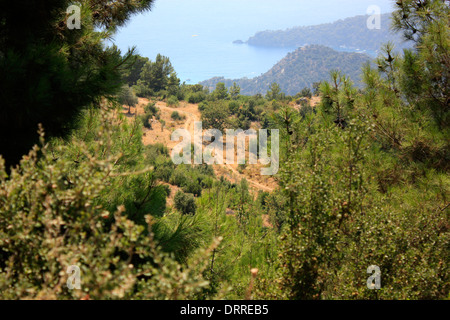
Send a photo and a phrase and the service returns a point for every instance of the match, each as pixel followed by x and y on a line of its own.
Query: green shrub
pixel 234 107
pixel 197 97
pixel 151 108
pixel 142 91
pixel 205 169
pixel 179 177
pixel 145 118
pixel 185 203
pixel 167 189
pixel 173 101
pixel 159 148
pixel 162 95
pixel 164 173
pixel 176 116
pixel 193 187
pixel 51 218
pixel 203 106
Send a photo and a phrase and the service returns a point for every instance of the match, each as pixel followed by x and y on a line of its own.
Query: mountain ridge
pixel 350 33
pixel 299 69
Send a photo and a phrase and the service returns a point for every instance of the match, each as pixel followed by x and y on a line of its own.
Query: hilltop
pixel 299 69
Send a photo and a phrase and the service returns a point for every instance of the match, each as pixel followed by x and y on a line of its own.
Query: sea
pixel 198 35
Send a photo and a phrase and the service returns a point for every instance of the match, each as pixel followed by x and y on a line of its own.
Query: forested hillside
pixel 89 181
pixel 300 69
pixel 351 33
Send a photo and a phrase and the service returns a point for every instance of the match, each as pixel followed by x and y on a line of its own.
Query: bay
pixel 198 35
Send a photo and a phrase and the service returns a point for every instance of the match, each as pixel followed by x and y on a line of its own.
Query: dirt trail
pixel 192 115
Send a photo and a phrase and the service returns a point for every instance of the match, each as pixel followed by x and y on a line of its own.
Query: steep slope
pixel 300 69
pixel 351 33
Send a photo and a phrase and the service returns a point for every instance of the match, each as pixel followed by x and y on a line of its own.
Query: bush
pixel 178 177
pixel 173 101
pixel 234 107
pixel 205 169
pixel 167 190
pixel 197 97
pixel 221 92
pixel 185 203
pixel 159 148
pixel 176 116
pixel 193 187
pixel 51 218
pixel 305 110
pixel 145 118
pixel 203 106
pixel 142 91
pixel 215 116
pixel 306 93
pixel 151 108
pixel 164 173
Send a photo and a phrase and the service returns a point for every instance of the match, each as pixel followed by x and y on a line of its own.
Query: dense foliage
pixel 367 177
pixel 77 204
pixel 363 181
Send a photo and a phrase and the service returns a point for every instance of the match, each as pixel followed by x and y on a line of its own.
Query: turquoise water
pixel 197 35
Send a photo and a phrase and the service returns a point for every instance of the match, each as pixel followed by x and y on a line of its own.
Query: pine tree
pixel 54 72
pixel 235 90
pixel 155 75
pixel 425 81
pixel 132 75
pixel 221 92
pixel 173 84
pixel 274 91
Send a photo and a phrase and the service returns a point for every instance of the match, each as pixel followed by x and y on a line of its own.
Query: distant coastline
pixel 350 35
